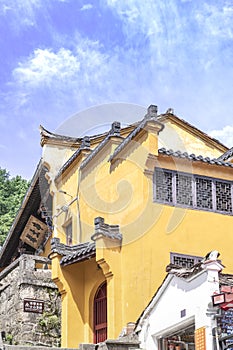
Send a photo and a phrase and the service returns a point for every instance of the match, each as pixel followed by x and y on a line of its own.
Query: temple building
pixel 118 207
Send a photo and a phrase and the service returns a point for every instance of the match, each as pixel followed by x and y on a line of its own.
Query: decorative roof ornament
pixel 150 116
pixel 152 112
pixel 105 230
pixel 170 111
pixel 213 255
pixel 85 143
pixel 115 129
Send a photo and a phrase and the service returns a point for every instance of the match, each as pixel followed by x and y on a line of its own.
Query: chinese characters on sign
pixel 200 343
pixel 31 305
pixel 34 232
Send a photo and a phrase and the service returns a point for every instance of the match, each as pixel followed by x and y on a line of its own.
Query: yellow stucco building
pixel 125 204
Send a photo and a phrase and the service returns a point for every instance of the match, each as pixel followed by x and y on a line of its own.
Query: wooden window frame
pixel 194 178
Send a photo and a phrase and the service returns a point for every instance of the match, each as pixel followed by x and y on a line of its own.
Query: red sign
pixel 32 305
pixel 218 299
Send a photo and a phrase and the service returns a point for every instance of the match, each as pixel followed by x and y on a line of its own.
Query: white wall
pixel 178 294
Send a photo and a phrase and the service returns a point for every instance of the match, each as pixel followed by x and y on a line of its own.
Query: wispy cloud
pixel 21 12
pixel 86 7
pixel 225 135
pixel 216 19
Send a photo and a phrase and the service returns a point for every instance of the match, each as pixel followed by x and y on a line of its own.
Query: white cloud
pixel 20 12
pixel 46 67
pixel 216 20
pixel 225 135
pixel 167 27
pixel 64 69
pixel 158 26
pixel 64 80
pixel 86 7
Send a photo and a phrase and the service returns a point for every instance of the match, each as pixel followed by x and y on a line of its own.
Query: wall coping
pixel 14 264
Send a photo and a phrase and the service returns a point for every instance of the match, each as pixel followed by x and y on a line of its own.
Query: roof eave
pixel 21 209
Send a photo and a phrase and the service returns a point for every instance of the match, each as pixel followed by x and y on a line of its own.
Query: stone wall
pixel 29 278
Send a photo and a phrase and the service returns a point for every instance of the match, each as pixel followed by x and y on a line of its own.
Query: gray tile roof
pixel 226 279
pixel 87 250
pixel 226 155
pixel 184 272
pixel 48 134
pixel 193 157
pixel 150 116
pixel 72 254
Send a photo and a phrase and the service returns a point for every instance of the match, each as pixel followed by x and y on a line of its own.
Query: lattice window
pixel 223 196
pixel 193 191
pixel 184 260
pixel 184 193
pixel 204 193
pixel 163 182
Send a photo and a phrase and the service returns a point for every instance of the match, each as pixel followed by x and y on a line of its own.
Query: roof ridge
pixel 114 131
pixel 151 115
pixel 46 133
pixel 226 155
pixel 193 157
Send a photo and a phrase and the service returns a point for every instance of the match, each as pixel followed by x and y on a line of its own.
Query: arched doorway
pixel 100 314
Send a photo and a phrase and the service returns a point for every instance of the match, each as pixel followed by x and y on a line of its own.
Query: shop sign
pixel 34 232
pixel 33 305
pixel 200 339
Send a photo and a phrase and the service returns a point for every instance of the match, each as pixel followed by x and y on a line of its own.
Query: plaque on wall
pixel 200 338
pixel 33 305
pixel 34 232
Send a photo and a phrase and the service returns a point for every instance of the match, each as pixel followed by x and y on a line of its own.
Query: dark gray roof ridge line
pixel 148 117
pixel 193 157
pixel 64 249
pixel 114 132
pixel 86 251
pixel 78 252
pixel 226 155
pixel 85 145
pixel 46 133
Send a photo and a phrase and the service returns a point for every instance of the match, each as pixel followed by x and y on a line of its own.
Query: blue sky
pixel 60 57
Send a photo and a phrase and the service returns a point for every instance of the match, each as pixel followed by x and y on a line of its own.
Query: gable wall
pixel 180 138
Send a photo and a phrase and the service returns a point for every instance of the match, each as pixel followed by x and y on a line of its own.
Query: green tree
pixel 12 192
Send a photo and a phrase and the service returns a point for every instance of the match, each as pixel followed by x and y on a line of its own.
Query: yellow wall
pixel 122 193
pixel 77 284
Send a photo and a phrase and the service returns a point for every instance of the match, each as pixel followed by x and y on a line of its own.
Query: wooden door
pixel 100 314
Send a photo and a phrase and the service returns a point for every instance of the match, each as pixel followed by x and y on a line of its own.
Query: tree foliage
pixel 12 192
